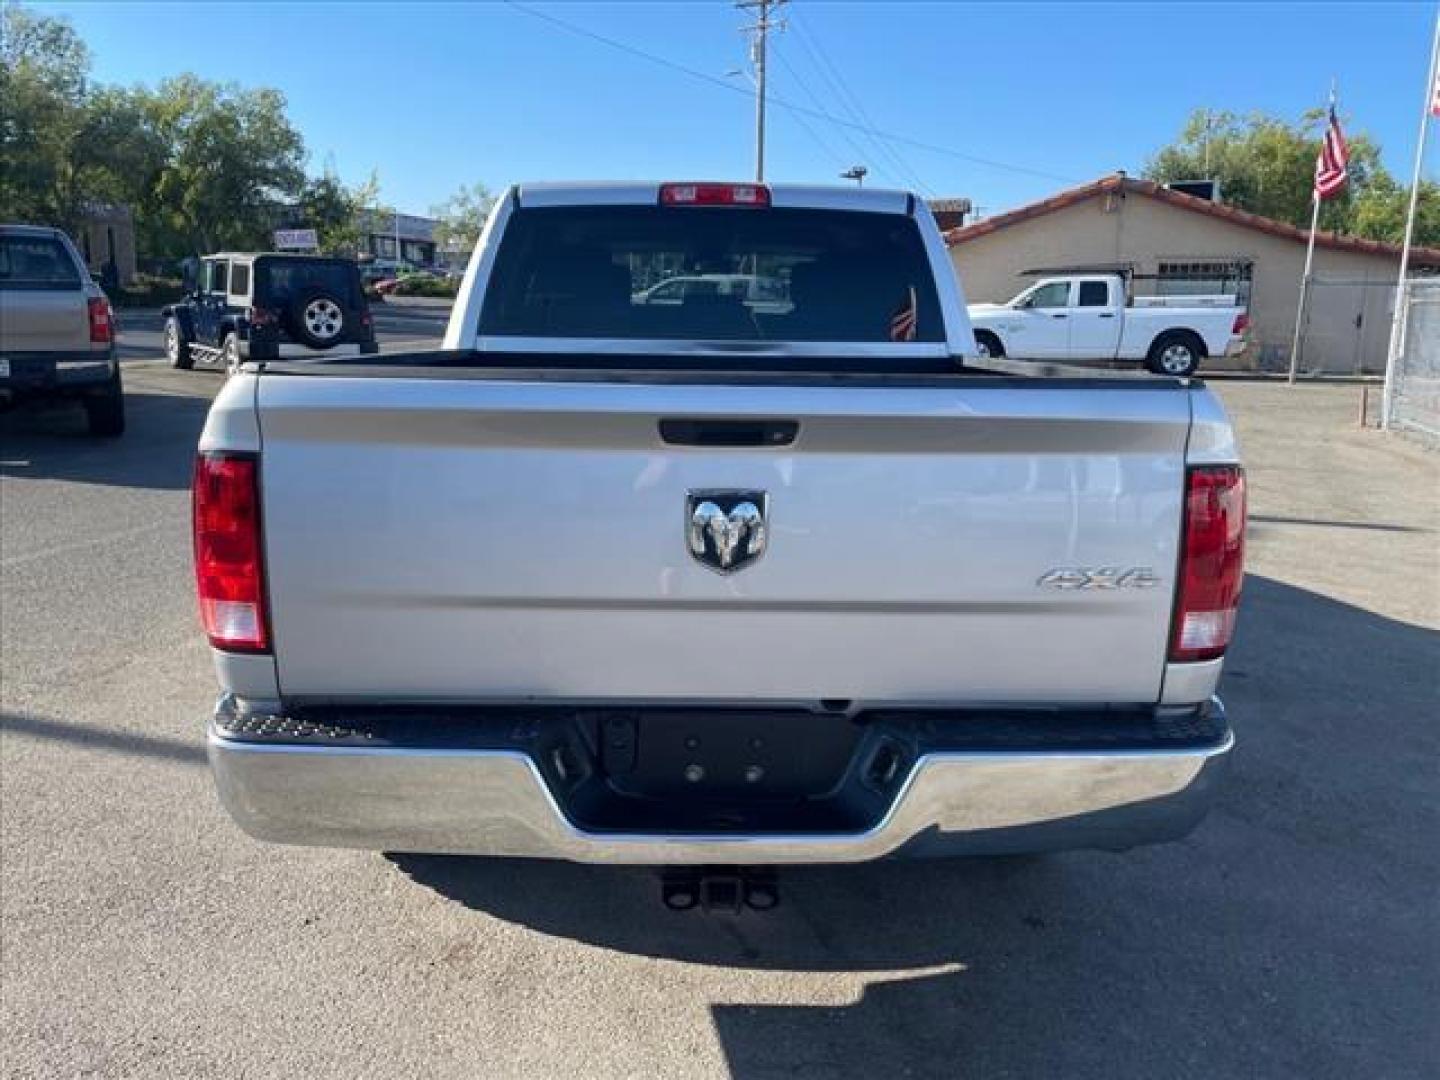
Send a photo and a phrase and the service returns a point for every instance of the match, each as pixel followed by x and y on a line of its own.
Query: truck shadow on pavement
pixel 50 442
pixel 1292 934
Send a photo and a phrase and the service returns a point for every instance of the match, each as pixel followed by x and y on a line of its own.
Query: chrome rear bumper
pixel 496 802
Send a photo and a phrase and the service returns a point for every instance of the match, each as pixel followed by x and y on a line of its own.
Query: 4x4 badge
pixel 726 530
pixel 1099 577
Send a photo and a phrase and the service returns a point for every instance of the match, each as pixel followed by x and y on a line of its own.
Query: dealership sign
pixel 296 240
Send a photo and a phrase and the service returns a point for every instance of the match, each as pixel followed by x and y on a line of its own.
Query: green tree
pixel 1379 212
pixel 233 159
pixel 336 211
pixel 203 165
pixel 461 217
pixel 118 153
pixel 44 83
pixel 66 143
pixel 1267 165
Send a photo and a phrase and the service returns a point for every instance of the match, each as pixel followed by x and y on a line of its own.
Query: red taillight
pixel 1241 324
pixel 1212 562
pixel 102 321
pixel 259 316
pixel 714 195
pixel 229 571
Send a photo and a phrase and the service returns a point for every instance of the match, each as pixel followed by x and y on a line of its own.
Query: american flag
pixel 902 323
pixel 1435 96
pixel 1330 172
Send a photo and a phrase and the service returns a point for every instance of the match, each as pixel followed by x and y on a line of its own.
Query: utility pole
pixel 760 28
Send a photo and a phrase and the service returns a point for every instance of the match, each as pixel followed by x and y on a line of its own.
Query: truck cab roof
pixel 797 196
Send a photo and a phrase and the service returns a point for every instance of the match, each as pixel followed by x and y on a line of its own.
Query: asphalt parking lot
pixel 1292 935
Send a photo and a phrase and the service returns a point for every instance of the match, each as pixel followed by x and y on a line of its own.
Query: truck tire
pixel 105 410
pixel 177 346
pixel 1177 353
pixel 987 344
pixel 317 318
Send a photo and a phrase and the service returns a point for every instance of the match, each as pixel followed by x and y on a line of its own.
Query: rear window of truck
pixel 712 274
pixel 36 262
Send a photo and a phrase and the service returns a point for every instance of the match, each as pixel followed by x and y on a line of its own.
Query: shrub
pixel 427 285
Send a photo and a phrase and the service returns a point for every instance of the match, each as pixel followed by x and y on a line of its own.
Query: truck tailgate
pixel 482 539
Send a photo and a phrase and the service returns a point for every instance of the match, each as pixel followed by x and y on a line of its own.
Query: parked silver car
pixel 57 329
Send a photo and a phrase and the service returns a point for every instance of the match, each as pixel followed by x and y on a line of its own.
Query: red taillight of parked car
pixel 1212 562
pixel 102 320
pixel 229 570
pixel 1241 324
pixel 259 316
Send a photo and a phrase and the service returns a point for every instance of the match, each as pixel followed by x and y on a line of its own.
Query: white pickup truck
pixel 1087 317
pixel 715 583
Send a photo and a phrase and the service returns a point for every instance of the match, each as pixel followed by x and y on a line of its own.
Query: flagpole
pixel 1397 318
pixel 1309 258
pixel 1304 288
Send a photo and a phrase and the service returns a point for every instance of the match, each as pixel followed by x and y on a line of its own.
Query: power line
pixel 852 104
pixel 715 80
pixel 823 144
pixel 860 151
pixel 820 107
pixel 857 110
pixel 825 147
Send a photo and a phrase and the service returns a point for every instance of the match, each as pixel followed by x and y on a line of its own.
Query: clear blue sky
pixel 435 95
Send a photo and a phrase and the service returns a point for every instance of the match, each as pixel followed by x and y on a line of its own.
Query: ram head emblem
pixel 726 530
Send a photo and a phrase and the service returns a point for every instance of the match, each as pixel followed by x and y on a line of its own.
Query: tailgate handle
pixel 721 432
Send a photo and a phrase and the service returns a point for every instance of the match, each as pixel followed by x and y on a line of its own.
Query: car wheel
pixel 987 345
pixel 318 319
pixel 105 411
pixel 177 349
pixel 1176 355
pixel 230 353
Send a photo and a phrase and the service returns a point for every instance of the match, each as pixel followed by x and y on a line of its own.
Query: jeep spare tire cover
pixel 317 318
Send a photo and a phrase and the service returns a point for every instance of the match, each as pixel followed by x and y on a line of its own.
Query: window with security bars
pixel 1204 277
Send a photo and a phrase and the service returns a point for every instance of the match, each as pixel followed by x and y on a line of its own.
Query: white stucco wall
pixel 1145 231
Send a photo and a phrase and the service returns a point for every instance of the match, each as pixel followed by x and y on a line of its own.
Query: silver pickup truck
pixel 57 329
pixel 729 580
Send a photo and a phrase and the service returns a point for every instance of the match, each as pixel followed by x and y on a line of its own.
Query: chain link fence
pixel 1415 395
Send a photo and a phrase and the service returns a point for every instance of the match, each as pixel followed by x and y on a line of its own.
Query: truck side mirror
pixel 188 278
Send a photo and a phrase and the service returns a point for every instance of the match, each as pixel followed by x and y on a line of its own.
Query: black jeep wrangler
pixel 268 306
